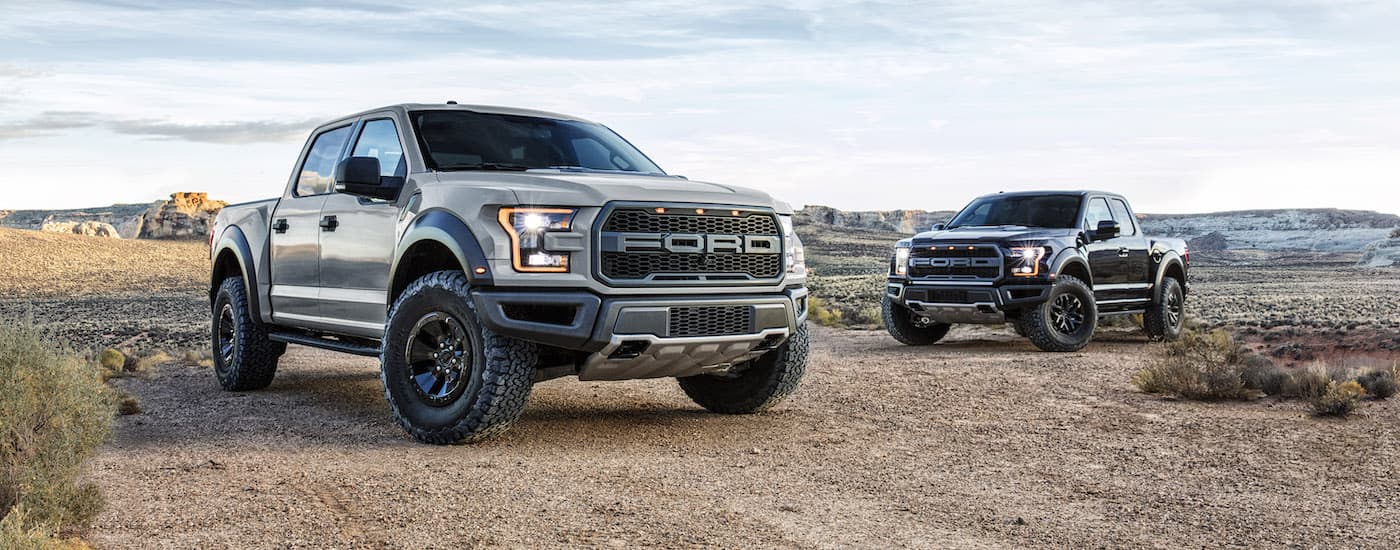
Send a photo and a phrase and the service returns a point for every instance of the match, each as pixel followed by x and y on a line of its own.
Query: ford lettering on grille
pixel 646 246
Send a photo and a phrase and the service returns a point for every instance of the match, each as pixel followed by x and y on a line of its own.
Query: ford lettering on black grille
pixel 640 245
pixel 686 322
pixel 955 262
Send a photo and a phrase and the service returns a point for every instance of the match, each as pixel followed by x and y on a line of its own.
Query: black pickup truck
pixel 1051 263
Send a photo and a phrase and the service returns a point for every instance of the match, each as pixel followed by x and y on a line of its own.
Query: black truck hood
pixel 999 234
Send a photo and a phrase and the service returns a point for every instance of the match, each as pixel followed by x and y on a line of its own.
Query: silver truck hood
pixel 547 188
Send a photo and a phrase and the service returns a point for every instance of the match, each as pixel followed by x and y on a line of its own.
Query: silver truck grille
pixel 664 244
pixel 955 262
pixel 710 321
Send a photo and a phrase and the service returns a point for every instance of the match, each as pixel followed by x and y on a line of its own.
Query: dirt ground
pixel 979 442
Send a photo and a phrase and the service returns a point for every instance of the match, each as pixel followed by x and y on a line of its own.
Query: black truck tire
pixel 766 382
pixel 1065 322
pixel 899 322
pixel 446 376
pixel 1164 319
pixel 244 358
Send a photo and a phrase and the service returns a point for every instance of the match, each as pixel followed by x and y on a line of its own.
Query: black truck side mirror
pixel 1106 230
pixel 939 226
pixel 359 176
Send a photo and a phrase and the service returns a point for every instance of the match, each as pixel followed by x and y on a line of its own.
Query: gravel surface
pixel 981 442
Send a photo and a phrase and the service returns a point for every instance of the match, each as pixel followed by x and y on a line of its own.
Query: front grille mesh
pixel 642 221
pixel 622 265
pixel 927 252
pixel 710 321
pixel 663 265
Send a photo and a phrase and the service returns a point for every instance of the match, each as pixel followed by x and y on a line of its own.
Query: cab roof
pixel 1079 192
pixel 487 109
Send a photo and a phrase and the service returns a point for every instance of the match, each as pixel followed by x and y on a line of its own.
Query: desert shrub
pixel 128 405
pixel 1339 399
pixel 823 315
pixel 111 359
pixel 1200 365
pixel 1260 373
pixel 1379 384
pixel 54 412
pixel 1308 383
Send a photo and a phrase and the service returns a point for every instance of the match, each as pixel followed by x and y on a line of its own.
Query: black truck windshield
pixel 1052 211
pixel 466 140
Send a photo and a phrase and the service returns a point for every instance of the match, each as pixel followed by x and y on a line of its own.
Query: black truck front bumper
pixel 966 304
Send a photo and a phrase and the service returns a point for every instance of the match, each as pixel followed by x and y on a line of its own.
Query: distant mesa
pixel 183 216
pixel 1384 253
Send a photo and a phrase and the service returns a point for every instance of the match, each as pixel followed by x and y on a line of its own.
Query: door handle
pixel 1123 252
pixel 281 226
pixel 329 223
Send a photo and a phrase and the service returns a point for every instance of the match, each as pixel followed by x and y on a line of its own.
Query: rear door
pixel 358 237
pixel 295 236
pixel 1137 277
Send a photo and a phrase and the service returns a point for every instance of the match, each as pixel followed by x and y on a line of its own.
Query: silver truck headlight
pixel 526 227
pixel 796 255
pixel 901 261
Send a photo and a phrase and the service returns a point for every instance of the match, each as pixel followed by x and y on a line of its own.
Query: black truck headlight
pixel 527 227
pixel 795 255
pixel 1025 261
pixel 901 261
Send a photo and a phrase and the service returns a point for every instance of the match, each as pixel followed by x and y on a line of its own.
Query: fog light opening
pixel 630 349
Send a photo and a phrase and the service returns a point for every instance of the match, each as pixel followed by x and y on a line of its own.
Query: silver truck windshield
pixel 1050 211
pixel 466 140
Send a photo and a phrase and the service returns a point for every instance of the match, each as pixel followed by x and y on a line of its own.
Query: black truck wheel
pixel 1165 318
pixel 244 358
pixel 1066 321
pixel 447 377
pixel 902 325
pixel 765 383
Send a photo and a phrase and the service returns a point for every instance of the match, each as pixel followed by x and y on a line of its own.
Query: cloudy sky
pixel 1183 106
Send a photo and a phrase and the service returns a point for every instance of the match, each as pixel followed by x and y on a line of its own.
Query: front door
pixel 1104 258
pixel 296 234
pixel 1137 274
pixel 357 240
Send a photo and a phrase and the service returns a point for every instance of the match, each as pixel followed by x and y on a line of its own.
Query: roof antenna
pixel 450 102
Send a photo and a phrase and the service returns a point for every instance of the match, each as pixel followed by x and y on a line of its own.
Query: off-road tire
pixel 899 322
pixel 1037 321
pixel 766 382
pixel 1018 327
pixel 501 369
pixel 250 363
pixel 1157 321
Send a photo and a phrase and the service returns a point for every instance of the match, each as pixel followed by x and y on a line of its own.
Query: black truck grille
pixel 710 321
pixel 955 262
pixel 635 248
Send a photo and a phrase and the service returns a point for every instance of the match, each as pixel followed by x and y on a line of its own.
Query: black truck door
pixel 1137 274
pixel 1104 259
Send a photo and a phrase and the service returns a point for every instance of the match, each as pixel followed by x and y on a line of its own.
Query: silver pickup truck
pixel 478 250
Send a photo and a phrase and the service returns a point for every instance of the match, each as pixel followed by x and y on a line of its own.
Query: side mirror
pixel 359 176
pixel 939 226
pixel 1107 229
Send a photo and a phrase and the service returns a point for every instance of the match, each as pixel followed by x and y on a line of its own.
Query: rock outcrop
pixel 1210 242
pixel 902 221
pixel 89 228
pixel 1384 253
pixel 184 216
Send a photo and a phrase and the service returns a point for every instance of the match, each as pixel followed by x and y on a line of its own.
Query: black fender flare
pixel 1168 259
pixel 233 240
pixel 445 228
pixel 1069 256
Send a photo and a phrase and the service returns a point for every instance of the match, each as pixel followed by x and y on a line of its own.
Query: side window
pixel 1124 219
pixel 1098 211
pixel 380 140
pixel 318 171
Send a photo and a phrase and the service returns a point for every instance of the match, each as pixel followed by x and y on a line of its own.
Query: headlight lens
pixel 1026 261
pixel 527 228
pixel 901 261
pixel 796 255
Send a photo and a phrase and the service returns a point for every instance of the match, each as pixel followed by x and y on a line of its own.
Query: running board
pixel 1124 312
pixel 323 343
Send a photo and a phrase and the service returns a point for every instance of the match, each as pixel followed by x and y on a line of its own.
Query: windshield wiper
pixel 566 168
pixel 485 166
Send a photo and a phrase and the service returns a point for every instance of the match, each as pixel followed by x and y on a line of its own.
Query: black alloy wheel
pixel 1067 314
pixel 439 354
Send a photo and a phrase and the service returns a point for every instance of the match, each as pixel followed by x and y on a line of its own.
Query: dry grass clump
pixel 54 412
pixel 1380 384
pixel 1339 399
pixel 1200 365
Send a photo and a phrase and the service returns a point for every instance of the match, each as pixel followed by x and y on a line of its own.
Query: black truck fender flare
pixel 1168 259
pixel 233 240
pixel 446 229
pixel 1071 257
